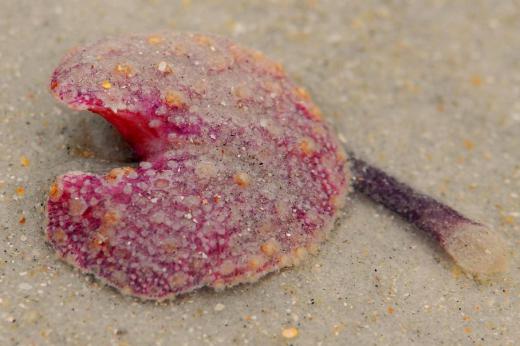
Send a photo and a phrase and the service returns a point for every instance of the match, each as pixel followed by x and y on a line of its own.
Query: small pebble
pixel 24 286
pixel 290 333
pixel 219 307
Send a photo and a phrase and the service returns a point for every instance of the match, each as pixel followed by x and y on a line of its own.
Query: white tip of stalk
pixel 478 250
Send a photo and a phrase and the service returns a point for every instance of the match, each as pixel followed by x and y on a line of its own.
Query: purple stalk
pixel 474 247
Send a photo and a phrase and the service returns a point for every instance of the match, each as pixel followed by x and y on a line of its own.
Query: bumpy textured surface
pixel 239 174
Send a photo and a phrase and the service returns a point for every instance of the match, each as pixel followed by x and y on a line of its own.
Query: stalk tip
pixel 478 250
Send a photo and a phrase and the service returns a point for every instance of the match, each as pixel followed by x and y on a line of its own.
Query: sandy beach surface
pixel 428 90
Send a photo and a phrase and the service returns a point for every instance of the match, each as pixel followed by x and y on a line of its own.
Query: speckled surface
pixel 427 90
pixel 239 174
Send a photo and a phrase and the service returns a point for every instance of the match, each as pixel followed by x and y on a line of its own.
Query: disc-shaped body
pixel 239 175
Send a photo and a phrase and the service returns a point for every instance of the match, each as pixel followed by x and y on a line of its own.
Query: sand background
pixel 429 90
